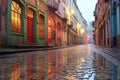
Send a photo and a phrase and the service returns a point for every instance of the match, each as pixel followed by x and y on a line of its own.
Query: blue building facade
pixel 115 23
pixel 113 20
pixel 118 22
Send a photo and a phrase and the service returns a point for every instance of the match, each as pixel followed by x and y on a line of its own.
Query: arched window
pixel 16 17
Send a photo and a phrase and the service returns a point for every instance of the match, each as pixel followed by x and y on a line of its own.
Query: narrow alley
pixel 59 40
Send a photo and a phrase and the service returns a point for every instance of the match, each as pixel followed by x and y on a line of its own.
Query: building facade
pixel 23 22
pixel 115 22
pixel 107 23
pixel 39 22
pixel 101 24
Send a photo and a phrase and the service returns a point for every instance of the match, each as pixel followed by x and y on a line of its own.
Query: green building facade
pixel 23 22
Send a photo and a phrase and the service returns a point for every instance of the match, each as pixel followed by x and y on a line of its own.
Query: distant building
pixel 101 23
pixel 107 23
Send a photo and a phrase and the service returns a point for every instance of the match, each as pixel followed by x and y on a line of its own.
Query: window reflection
pixel 41 69
pixel 16 72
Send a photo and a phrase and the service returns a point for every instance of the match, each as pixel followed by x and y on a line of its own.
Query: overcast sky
pixel 86 8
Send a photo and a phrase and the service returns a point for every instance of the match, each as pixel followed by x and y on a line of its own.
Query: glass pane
pixel 32 2
pixel 49 35
pixel 41 27
pixel 30 13
pixel 16 17
pixel 42 7
pixel 19 23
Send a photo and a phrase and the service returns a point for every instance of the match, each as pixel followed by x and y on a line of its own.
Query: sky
pixel 87 8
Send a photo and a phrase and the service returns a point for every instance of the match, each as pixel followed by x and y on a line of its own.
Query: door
pixel 49 35
pixel 30 27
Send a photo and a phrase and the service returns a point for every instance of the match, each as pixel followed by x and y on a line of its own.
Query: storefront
pixel 26 23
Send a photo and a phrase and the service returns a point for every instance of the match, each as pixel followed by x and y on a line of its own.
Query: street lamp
pixel 82 31
pixel 72 12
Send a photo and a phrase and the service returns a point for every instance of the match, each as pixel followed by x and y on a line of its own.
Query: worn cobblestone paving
pixel 82 62
pixel 85 65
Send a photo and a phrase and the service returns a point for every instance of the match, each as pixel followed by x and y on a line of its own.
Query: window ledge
pixel 19 34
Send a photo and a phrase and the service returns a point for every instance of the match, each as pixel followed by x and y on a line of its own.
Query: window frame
pixel 18 22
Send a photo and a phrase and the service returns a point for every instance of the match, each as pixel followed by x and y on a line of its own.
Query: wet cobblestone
pixel 74 63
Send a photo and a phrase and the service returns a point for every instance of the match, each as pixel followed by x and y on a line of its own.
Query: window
pixel 41 26
pixel 16 17
pixel 42 1
pixel 32 2
pixel 42 5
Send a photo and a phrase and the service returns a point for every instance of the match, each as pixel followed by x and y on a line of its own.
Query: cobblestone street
pixel 82 62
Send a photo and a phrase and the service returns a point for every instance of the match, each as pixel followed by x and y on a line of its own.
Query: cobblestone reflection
pixel 74 63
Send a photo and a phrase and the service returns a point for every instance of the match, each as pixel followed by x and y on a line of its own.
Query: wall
pixel 3 14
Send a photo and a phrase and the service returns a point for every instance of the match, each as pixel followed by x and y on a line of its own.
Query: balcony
pixel 53 5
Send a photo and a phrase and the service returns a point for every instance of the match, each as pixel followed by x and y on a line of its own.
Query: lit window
pixel 16 17
pixel 42 1
pixel 30 13
pixel 42 5
pixel 32 2
pixel 41 26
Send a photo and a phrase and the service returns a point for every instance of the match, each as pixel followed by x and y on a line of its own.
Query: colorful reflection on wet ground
pixel 73 63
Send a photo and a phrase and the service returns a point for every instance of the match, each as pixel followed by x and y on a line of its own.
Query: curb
pixel 108 52
pixel 30 50
pixel 25 50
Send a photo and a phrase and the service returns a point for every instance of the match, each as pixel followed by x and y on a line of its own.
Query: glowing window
pixel 42 5
pixel 41 26
pixel 16 17
pixel 32 2
pixel 30 13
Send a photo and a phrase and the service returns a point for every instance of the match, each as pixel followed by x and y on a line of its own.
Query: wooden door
pixel 30 27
